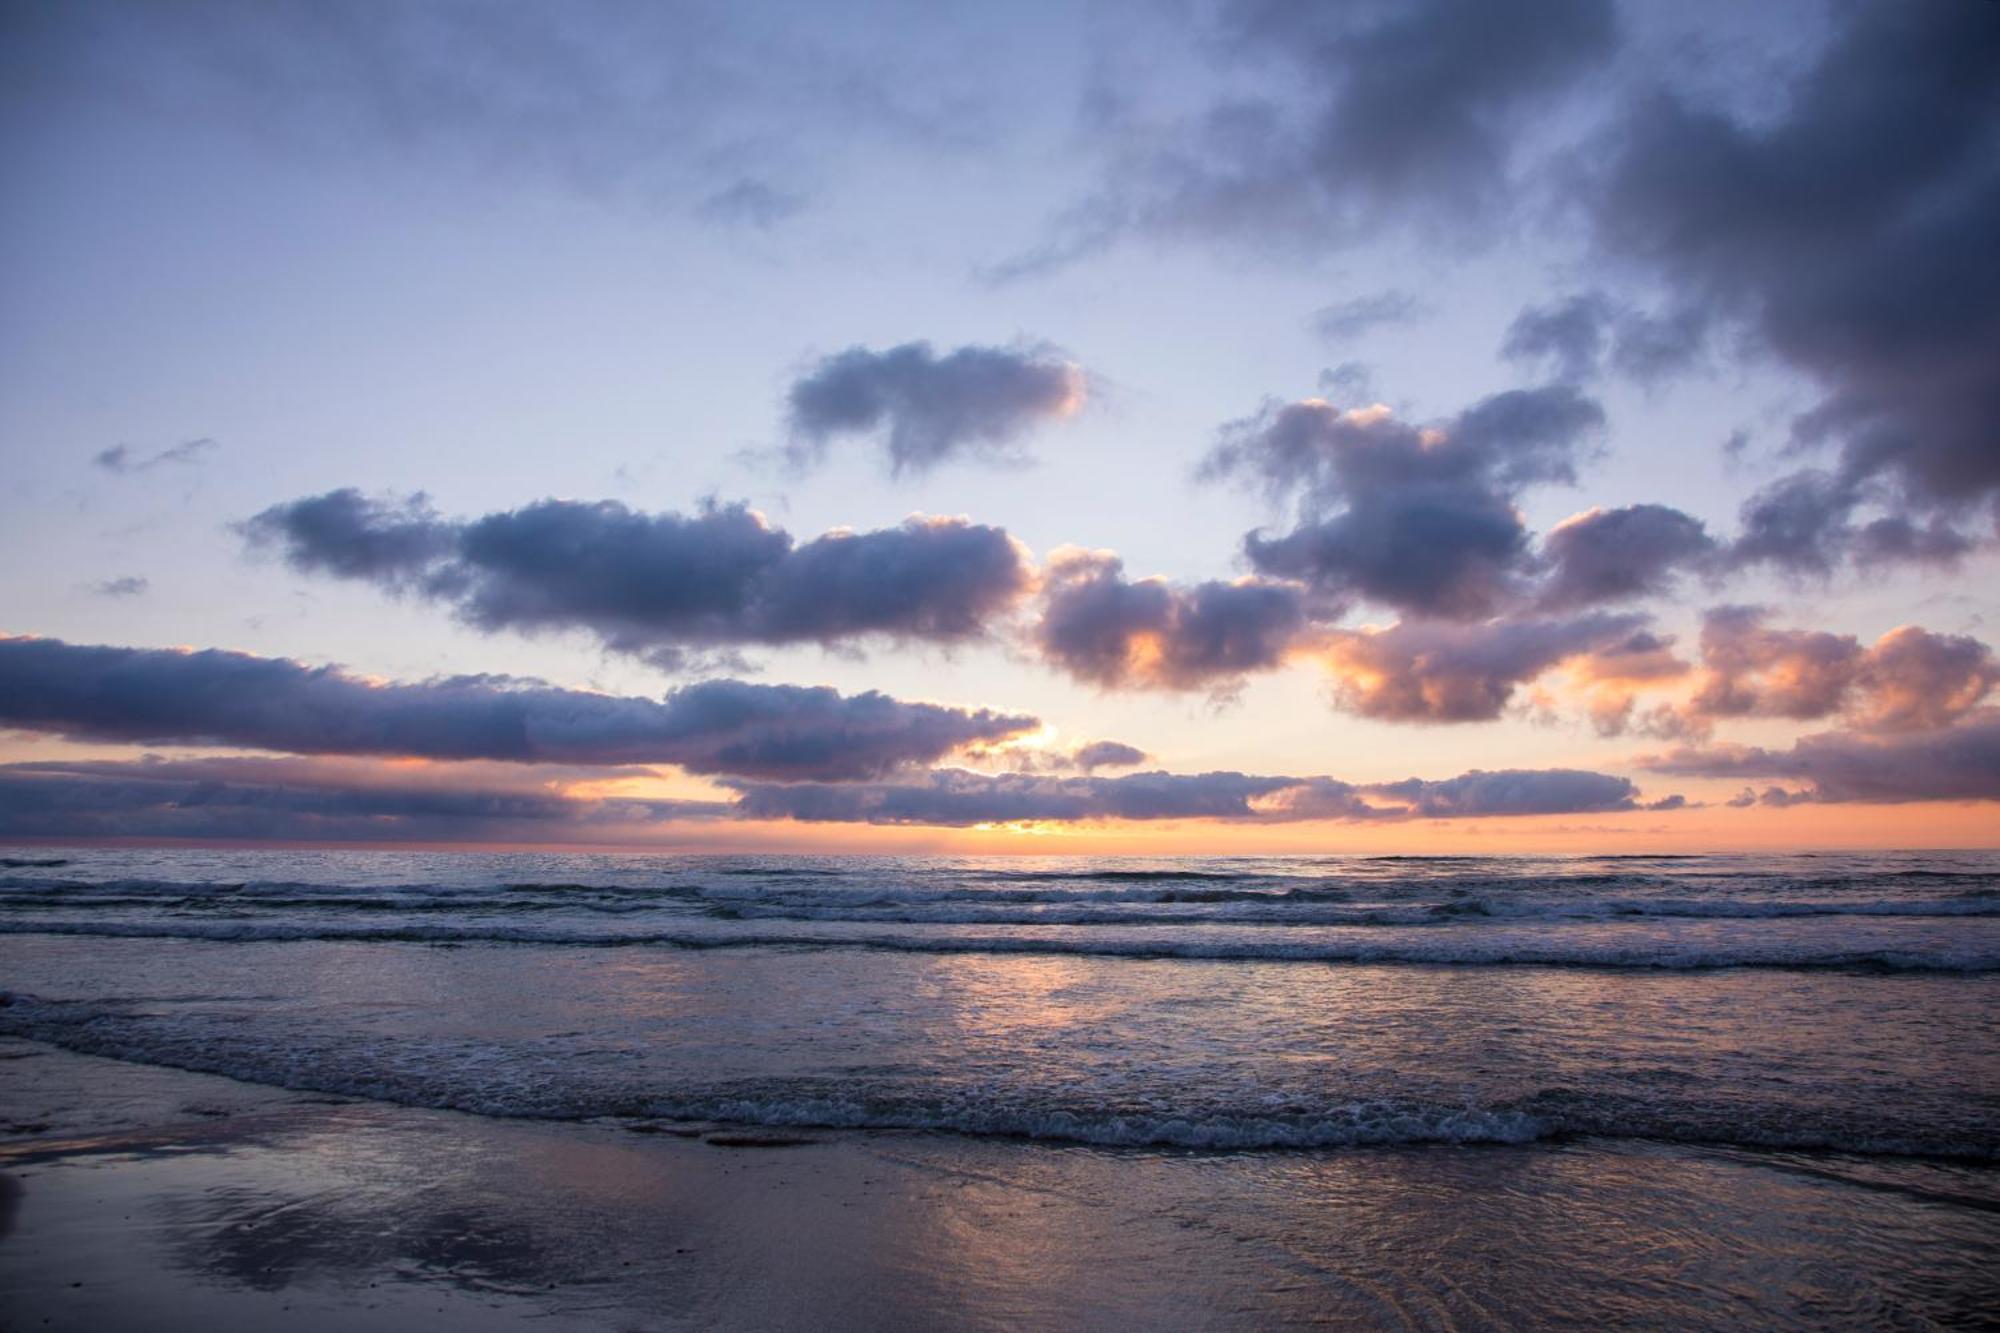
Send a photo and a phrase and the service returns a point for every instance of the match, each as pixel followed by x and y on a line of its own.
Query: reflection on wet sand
pixel 343 1207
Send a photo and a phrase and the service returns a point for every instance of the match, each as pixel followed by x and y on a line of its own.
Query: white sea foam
pixel 480 1080
pixel 1474 946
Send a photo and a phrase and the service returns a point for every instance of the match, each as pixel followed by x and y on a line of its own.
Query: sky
pixel 1137 427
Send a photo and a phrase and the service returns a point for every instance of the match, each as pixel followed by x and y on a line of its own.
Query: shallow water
pixel 1420 1093
pixel 1836 1002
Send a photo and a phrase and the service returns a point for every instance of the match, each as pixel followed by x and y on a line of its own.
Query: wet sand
pixel 147 1198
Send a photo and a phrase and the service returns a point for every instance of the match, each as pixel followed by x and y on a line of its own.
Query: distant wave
pixel 1144 901
pixel 1463 948
pixel 1124 876
pixel 1279 912
pixel 1493 894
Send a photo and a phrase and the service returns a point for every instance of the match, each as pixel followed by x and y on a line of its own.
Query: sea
pixel 1835 1015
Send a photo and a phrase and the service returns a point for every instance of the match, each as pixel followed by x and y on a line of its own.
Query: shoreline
pixel 145 1197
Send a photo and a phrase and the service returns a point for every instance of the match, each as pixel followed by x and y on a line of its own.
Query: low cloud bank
pixel 955 797
pixel 306 800
pixel 155 696
pixel 1955 763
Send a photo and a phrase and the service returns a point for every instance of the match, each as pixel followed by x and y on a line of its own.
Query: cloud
pixel 1909 680
pixel 129 585
pixel 394 542
pixel 123 460
pixel 1101 628
pixel 1799 524
pixel 957 798
pixel 1344 321
pixel 972 402
pixel 641 104
pixel 1611 679
pixel 1956 763
pixel 1616 555
pixel 1513 792
pixel 1028 757
pixel 1428 671
pixel 1107 754
pixel 342 799
pixel 1409 118
pixel 1751 671
pixel 751 203
pixel 1914 680
pixel 1569 335
pixel 1895 540
pixel 659 585
pixel 1804 525
pixel 1575 335
pixel 1349 379
pixel 1420 519
pixel 1851 234
pixel 306 800
pixel 236 699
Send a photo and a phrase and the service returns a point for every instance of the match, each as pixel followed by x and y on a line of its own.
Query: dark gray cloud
pixel 300 800
pixel 1576 337
pixel 1616 555
pixel 236 699
pixel 1419 518
pixel 1568 336
pixel 1800 524
pixel 1101 628
pixel 129 585
pixel 1408 114
pixel 1955 763
pixel 1851 233
pixel 392 541
pixel 659 585
pixel 1346 320
pixel 1805 525
pixel 1430 671
pixel 1420 99
pixel 971 402
pixel 1895 540
pixel 957 798
pixel 124 460
pixel 1909 680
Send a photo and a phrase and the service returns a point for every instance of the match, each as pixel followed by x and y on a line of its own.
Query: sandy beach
pixel 146 1198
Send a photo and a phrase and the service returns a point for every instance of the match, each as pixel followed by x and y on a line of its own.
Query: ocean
pixel 1832 1017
